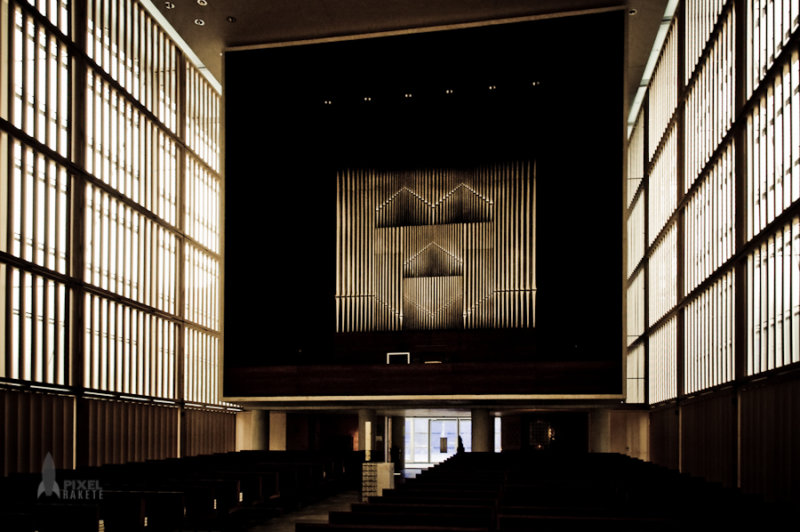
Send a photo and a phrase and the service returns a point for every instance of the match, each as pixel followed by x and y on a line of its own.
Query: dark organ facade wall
pixel 436 248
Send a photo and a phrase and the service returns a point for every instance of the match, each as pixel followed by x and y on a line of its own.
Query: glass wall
pixel 719 191
pixel 430 440
pixel 109 205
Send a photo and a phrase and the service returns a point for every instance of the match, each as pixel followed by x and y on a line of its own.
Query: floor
pixel 314 513
pixel 318 512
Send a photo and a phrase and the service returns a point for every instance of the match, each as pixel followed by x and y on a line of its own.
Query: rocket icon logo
pixel 48 486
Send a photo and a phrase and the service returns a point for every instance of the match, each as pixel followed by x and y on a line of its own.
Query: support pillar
pixel 367 428
pixel 599 431
pixel 482 431
pixel 277 431
pixel 397 443
pixel 252 430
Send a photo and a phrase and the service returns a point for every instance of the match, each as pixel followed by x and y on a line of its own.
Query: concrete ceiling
pixel 231 23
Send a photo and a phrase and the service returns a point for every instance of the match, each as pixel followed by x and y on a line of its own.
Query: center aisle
pixel 314 513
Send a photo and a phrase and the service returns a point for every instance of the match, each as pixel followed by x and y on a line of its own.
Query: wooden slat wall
pixel 209 432
pixel 709 437
pixel 664 436
pixel 770 439
pixel 34 424
pixel 120 432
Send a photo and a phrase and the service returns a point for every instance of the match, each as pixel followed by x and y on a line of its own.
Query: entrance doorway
pixel 429 441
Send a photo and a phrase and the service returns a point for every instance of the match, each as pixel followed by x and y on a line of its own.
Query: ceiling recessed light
pixel 200 22
pixel 409 95
pixel 231 19
pixel 492 87
pixel 367 99
pixel 536 83
pixel 202 2
pixel 169 5
pixel 448 91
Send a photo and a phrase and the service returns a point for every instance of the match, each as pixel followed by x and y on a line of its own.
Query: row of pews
pixel 226 491
pixel 544 492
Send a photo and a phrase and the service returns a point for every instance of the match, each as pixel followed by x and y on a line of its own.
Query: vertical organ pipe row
pixel 436 248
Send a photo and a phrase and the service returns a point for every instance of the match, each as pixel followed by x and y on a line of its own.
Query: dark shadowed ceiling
pixel 230 23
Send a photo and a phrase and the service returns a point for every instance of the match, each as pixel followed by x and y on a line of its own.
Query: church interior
pixel 488 266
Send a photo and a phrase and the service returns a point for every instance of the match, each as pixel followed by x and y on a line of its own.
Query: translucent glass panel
pixel 709 222
pixel 129 254
pixel 129 152
pixel 201 384
pixel 663 90
pixel 635 380
pixel 443 429
pixel 709 105
pixel 709 334
pixel 202 205
pixel 635 296
pixel 636 235
pixel 700 16
pixel 56 11
pixel 635 158
pixel 416 436
pixel 662 378
pixel 128 350
pixel 662 289
pixel 202 288
pixel 38 207
pixel 125 41
pixel 424 438
pixel 773 301
pixel 663 187
pixel 37 335
pixel 202 118
pixel 769 25
pixel 40 81
pixel 773 148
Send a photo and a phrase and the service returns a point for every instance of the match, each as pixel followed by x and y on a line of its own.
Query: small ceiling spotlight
pixel 448 91
pixel 367 98
pixel 200 22
pixel 202 3
pixel 536 83
pixel 328 102
pixel 169 5
pixel 231 19
pixel 408 95
pixel 492 87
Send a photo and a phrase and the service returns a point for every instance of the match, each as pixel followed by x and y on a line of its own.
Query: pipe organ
pixel 436 248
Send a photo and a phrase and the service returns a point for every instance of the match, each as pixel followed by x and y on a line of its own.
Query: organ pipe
pixel 436 248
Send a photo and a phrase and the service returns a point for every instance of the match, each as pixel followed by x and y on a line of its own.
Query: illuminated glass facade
pixel 109 210
pixel 713 220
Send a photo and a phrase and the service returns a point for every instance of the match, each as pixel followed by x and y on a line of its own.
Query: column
pixel 599 431
pixel 482 431
pixel 277 431
pixel 367 420
pixel 252 430
pixel 397 443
